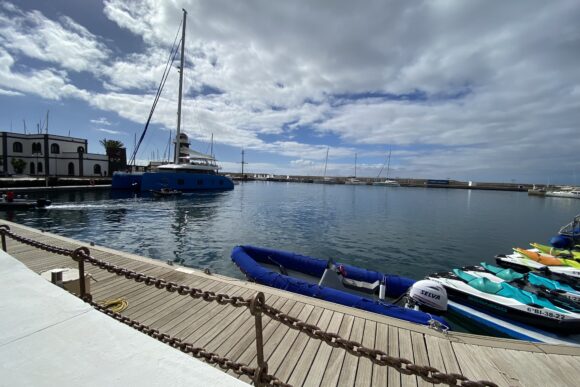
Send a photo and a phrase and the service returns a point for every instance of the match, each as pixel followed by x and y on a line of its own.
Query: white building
pixel 49 155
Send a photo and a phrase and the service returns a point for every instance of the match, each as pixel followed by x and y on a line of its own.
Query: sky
pixel 468 90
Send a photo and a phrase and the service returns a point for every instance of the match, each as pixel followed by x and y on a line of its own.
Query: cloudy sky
pixel 471 90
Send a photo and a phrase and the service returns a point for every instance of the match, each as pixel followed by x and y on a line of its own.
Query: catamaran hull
pixel 185 182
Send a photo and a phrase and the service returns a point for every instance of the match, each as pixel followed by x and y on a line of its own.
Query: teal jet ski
pixel 506 301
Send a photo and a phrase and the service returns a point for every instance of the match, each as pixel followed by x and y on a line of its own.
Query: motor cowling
pixel 429 296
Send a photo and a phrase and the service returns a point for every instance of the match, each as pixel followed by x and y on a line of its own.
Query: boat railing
pixel 256 305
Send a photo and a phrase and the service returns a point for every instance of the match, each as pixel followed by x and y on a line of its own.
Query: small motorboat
pixel 166 192
pixel 344 284
pixel 23 204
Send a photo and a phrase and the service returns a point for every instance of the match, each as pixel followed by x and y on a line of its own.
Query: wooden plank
pixel 406 352
pixel 448 355
pixel 236 346
pixel 320 361
pixel 348 372
pixel 420 354
pixel 298 374
pixel 209 328
pixel 381 343
pixel 337 355
pixel 393 376
pixel 434 353
pixel 229 328
pixel 364 372
pixel 287 352
pixel 246 351
pixel 476 365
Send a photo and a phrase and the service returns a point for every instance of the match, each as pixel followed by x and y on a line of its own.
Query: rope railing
pixel 257 307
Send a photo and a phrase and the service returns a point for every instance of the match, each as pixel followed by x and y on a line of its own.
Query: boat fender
pixel 429 295
pixel 382 288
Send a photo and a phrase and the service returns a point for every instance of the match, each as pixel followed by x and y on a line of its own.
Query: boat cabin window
pixel 17 147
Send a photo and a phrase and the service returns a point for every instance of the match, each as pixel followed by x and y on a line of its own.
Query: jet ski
pixel 546 259
pixel 558 253
pixel 506 301
pixel 522 264
pixel 562 295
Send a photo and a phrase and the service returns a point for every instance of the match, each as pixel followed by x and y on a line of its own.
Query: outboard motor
pixel 428 296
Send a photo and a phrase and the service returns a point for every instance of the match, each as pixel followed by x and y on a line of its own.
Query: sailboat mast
pixel 355 165
pixel 178 132
pixel 326 161
pixel 388 163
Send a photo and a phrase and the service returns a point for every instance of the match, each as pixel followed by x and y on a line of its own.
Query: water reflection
pixel 408 231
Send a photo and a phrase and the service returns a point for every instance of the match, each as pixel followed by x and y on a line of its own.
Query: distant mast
pixel 178 132
pixel 326 162
pixel 355 165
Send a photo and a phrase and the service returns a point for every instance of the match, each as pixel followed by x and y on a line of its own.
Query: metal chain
pixel 402 365
pixel 197 352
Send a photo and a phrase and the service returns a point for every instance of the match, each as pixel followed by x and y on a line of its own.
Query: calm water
pixel 406 231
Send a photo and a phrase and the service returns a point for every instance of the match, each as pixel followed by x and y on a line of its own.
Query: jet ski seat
pixel 504 274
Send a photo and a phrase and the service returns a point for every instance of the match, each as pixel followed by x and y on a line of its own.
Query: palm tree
pixel 111 144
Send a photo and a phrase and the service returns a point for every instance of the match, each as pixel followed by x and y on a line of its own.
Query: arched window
pixel 32 168
pixel 54 148
pixel 71 169
pixel 80 149
pixel 39 168
pixel 97 169
pixel 17 147
pixel 36 147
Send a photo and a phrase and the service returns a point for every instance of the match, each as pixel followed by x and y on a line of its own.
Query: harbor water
pixel 406 231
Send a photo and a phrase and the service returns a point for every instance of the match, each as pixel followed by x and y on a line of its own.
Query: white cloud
pixel 10 92
pixel 278 67
pixel 109 131
pixel 101 121
pixel 65 42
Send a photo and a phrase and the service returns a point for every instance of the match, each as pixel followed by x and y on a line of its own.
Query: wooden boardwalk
pixel 292 356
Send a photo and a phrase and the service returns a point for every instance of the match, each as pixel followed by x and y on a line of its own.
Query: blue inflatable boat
pixel 326 280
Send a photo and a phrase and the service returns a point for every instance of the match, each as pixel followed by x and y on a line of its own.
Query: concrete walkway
pixel 49 337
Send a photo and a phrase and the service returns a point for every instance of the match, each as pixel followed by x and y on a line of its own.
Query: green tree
pixel 111 144
pixel 18 165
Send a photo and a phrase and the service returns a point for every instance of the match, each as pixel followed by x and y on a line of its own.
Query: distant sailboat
pixel 354 180
pixel 326 180
pixel 387 182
